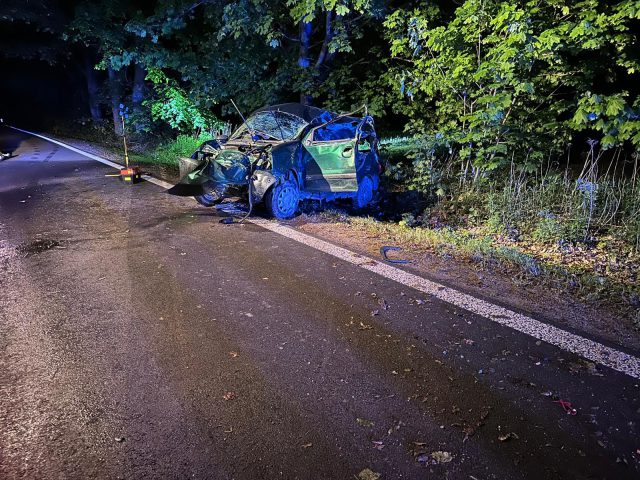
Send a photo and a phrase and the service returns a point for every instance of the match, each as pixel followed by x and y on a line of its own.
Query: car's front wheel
pixel 282 200
pixel 208 199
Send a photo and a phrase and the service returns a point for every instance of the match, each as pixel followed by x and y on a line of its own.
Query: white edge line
pixel 589 349
pixel 73 149
pixel 97 158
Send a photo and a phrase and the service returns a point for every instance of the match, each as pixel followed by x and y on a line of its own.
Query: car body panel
pixel 330 166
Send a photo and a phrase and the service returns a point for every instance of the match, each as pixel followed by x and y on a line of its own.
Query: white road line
pixel 589 349
pixel 73 149
pixel 584 347
pixel 97 158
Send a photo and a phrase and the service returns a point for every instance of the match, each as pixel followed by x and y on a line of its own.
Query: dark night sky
pixel 33 92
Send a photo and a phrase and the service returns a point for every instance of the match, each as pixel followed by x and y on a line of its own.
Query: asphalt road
pixel 141 338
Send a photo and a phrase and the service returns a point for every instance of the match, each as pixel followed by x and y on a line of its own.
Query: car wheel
pixel 365 193
pixel 208 199
pixel 282 200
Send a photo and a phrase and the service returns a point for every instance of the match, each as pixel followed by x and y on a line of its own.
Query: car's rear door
pixel 330 158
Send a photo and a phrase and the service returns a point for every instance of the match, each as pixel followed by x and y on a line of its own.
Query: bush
pixel 183 146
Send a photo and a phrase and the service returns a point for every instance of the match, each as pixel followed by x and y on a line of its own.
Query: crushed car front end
pixel 228 171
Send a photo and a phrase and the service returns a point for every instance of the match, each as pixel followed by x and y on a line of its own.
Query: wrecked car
pixel 285 153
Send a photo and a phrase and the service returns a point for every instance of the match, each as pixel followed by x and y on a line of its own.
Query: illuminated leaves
pixel 512 80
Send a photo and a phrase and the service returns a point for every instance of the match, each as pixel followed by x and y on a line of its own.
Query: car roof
pixel 306 112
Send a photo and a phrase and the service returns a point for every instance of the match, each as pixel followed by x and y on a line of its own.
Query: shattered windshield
pixel 273 124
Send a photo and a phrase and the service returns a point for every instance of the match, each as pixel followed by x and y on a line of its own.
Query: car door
pixel 330 158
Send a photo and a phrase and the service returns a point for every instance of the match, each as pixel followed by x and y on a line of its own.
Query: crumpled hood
pixel 228 167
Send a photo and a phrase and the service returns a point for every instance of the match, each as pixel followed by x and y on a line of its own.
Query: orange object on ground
pixel 130 175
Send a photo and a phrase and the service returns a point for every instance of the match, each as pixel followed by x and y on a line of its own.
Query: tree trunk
pixel 138 90
pixel 303 60
pixel 93 87
pixel 115 90
pixel 328 36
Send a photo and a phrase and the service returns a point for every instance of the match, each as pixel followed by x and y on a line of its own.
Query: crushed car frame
pixel 282 154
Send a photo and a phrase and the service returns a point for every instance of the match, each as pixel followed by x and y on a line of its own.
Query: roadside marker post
pixel 129 175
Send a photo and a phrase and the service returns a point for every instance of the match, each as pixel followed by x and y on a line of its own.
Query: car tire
pixel 282 200
pixel 365 193
pixel 208 199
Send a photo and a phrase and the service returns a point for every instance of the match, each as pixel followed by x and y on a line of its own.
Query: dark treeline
pixel 516 118
pixel 496 82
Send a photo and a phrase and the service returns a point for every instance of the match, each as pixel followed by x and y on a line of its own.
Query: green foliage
pixel 515 80
pixel 183 146
pixel 611 116
pixel 173 105
pixel 548 229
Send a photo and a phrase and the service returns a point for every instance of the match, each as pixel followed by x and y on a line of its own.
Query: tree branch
pixel 328 35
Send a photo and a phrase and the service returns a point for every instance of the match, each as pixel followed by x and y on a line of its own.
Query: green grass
pixel 458 243
pixel 143 149
pixel 168 153
pixel 602 273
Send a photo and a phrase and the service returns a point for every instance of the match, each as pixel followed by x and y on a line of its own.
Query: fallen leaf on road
pixel 507 436
pixel 307 445
pixel 364 326
pixel 368 474
pixel 364 422
pixel 234 354
pixel 396 427
pixel 119 439
pixel 375 312
pixel 581 364
pixel 441 457
pixel 378 445
pixel 469 431
pixel 229 396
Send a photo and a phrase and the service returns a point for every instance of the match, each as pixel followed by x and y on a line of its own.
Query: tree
pixel 39 28
pixel 516 80
pixel 100 26
pixel 335 24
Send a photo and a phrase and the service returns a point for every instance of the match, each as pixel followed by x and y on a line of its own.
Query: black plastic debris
pixel 383 253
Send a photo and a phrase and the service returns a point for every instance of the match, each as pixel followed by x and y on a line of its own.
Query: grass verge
pixel 600 275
